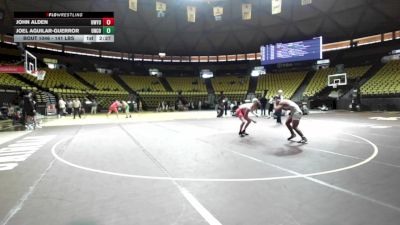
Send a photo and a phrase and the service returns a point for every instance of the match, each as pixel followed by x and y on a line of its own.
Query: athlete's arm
pixel 252 112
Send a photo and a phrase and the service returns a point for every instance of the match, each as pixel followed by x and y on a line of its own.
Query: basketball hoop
pixel 39 74
pixel 334 85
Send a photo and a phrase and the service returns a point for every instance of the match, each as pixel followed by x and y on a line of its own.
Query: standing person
pixel 61 106
pixel 278 113
pixel 271 106
pixel 10 110
pixel 226 106
pixel 126 108
pixel 69 106
pixel 293 121
pixel 114 108
pixel 36 121
pixel 134 106
pixel 220 104
pixel 94 107
pixel 85 106
pixel 163 106
pixel 263 101
pixel 184 103
pixel 159 108
pixel 140 106
pixel 29 111
pixel 243 114
pixel 76 104
pixel 200 105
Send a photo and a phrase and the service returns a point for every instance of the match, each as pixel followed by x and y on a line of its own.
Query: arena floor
pixel 193 168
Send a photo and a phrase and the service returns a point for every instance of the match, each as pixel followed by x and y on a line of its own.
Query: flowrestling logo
pixel 14 154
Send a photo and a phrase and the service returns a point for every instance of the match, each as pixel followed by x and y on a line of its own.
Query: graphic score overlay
pixel 291 52
pixel 64 27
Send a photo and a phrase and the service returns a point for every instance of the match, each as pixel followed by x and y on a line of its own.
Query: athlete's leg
pixel 289 126
pixel 248 121
pixel 295 127
pixel 242 124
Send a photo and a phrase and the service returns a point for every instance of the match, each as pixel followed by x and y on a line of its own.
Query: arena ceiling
pixel 143 32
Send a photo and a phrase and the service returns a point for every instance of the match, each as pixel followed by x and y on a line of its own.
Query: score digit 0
pixel 108 21
pixel 108 30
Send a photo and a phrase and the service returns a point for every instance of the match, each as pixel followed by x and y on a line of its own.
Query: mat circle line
pixel 371 157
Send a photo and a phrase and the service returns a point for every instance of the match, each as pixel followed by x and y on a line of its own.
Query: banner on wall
pixel 161 8
pixel 218 11
pixel 191 14
pixel 246 11
pixel 133 5
pixel 306 2
pixel 276 6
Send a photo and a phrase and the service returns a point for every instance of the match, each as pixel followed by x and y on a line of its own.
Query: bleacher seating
pixel 105 98
pixel 187 84
pixel 68 93
pixel 9 80
pixel 230 83
pixel 101 81
pixel 289 82
pixel 318 82
pixel 153 99
pixel 356 72
pixel 41 97
pixel 385 82
pixel 238 96
pixel 58 78
pixel 143 83
pixel 320 79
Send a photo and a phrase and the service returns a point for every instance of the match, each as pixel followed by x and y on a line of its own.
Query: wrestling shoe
pixel 303 140
pixel 291 137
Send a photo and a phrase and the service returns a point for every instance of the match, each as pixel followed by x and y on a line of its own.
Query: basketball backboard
pixel 337 80
pixel 31 66
pixel 30 63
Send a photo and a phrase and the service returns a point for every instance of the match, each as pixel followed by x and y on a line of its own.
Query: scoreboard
pixel 291 52
pixel 64 27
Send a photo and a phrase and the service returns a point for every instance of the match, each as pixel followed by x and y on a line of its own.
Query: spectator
pixel 263 101
pixel 29 111
pixel 76 104
pixel 61 106
pixel 271 106
pixel 220 104
pixel 159 107
pixel 85 106
pixel 163 106
pixel 11 110
pixel 69 106
pixel 140 106
pixel 94 107
pixel 226 106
